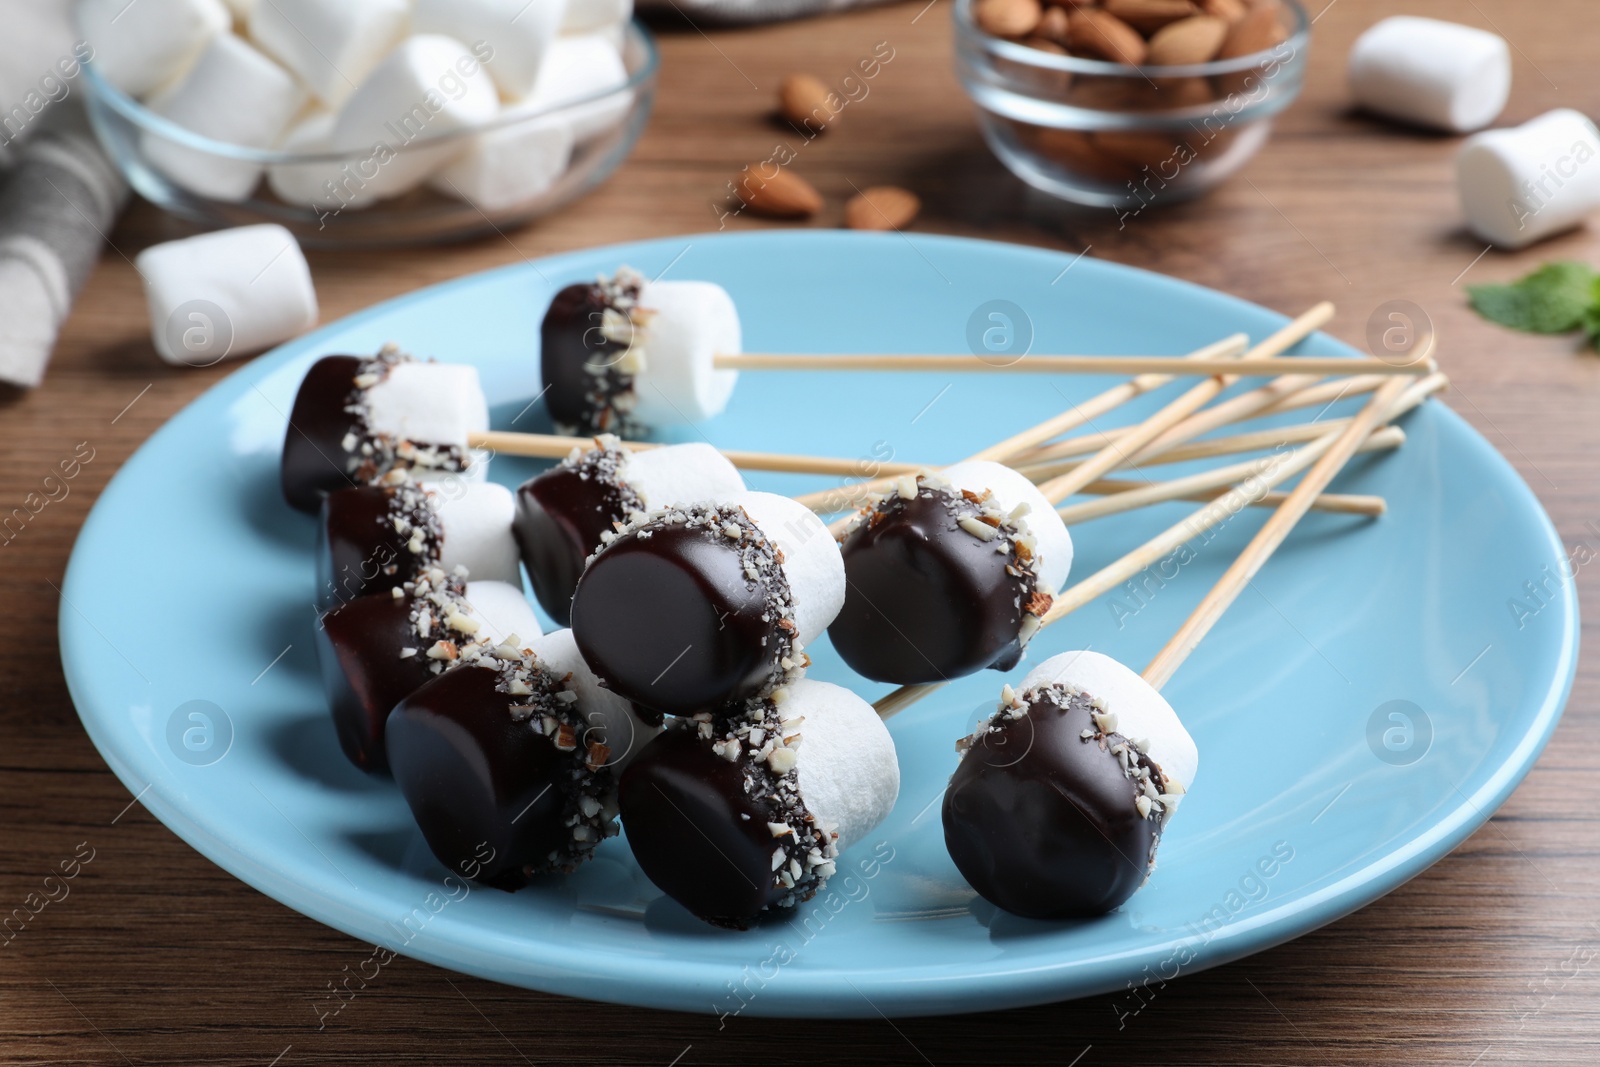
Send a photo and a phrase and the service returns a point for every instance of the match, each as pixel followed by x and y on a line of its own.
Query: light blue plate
pixel 1360 711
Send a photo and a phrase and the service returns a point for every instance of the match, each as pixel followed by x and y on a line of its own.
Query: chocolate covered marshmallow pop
pixel 741 813
pixel 361 420
pixel 376 649
pixel 1061 797
pixel 563 513
pixel 699 605
pixel 373 538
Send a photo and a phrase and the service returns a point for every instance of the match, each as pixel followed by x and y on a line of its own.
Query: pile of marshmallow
pixel 1517 186
pixel 375 84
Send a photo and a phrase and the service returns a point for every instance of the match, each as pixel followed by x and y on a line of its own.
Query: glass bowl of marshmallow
pixel 367 122
pixel 1132 103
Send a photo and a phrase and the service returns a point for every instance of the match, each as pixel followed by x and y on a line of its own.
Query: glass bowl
pixel 1109 135
pixel 163 162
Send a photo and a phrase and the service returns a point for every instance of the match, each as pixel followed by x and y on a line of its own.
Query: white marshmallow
pixel 510 166
pixel 306 184
pixel 226 293
pixel 583 16
pixel 680 474
pixel 428 86
pixel 610 716
pixel 504 612
pixel 690 324
pixel 578 67
pixel 234 95
pixel 428 403
pixel 519 32
pixel 142 46
pixel 845 759
pixel 332 46
pixel 1523 184
pixel 476 520
pixel 812 564
pixel 1053 549
pixel 1141 711
pixel 1431 73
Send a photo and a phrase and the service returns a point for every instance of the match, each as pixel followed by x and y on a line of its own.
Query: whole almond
pixel 1191 40
pixel 1104 36
pixel 783 195
pixel 1227 10
pixel 1259 30
pixel 1008 18
pixel 1148 16
pixel 1052 25
pixel 882 207
pixel 803 100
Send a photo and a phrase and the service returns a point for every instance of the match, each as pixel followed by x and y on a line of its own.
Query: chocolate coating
pixel 1042 823
pixel 672 622
pixel 314 457
pixel 925 601
pixel 479 781
pixel 569 337
pixel 358 651
pixel 560 517
pixel 696 831
pixel 358 551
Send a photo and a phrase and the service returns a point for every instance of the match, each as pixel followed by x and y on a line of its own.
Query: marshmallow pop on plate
pixel 699 605
pixel 740 813
pixel 563 514
pixel 361 420
pixel 1061 796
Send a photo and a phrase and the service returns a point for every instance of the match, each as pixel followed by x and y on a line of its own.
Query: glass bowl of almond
pixel 1129 104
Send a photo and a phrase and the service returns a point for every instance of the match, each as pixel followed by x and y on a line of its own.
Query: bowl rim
pixel 151 121
pixel 1025 55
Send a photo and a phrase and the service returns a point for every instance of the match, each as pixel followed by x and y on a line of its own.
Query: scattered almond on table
pixel 782 195
pixel 807 103
pixel 882 207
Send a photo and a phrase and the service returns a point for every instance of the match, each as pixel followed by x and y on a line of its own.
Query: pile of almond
pixel 1162 33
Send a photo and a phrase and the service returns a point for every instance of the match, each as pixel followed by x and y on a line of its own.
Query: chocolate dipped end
pixel 561 515
pixel 582 399
pixel 492 792
pixel 1042 817
pixel 360 550
pixel 315 461
pixel 668 618
pixel 363 674
pixel 926 600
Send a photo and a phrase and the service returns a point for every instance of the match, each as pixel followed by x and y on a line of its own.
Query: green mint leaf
pixel 1553 299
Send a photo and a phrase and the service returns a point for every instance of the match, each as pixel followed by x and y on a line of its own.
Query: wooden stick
pixel 847 498
pixel 1207 484
pixel 1169 365
pixel 1270 536
pixel 1277 469
pixel 554 446
pixel 1332 503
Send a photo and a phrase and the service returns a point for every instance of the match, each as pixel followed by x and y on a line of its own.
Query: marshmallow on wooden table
pixel 332 46
pixel 1431 73
pixel 306 184
pixel 1063 794
pixel 1523 184
pixel 585 16
pixel 577 67
pixel 651 363
pixel 235 95
pixel 379 419
pixel 744 811
pixel 613 721
pixel 566 513
pixel 226 293
pixel 430 85
pixel 510 166
pixel 518 32
pixel 140 47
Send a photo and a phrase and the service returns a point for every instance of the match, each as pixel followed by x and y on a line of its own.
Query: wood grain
pixel 156 956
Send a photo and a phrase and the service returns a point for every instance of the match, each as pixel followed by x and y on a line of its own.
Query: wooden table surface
pixel 157 956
